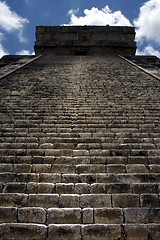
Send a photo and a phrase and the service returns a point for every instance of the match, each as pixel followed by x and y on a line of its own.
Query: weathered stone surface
pixel 108 216
pixel 125 200
pixel 8 215
pixel 64 232
pixel 64 216
pixel 24 231
pixel 83 40
pixel 31 215
pixel 69 200
pixel 95 200
pixel 43 200
pixel 136 231
pixel 101 231
pixel 79 150
pixel 88 215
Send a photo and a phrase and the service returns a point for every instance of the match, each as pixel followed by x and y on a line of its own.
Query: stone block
pixel 13 199
pixel 98 188
pixel 27 177
pixel 116 168
pixel 69 201
pixel 154 231
pixel 87 215
pixel 95 200
pixel 136 231
pixel 70 178
pixel 63 168
pixel 154 215
pixel 33 188
pixel 41 168
pixel 6 167
pixel 24 231
pixel 101 231
pixel 8 215
pixel 22 168
pixel 31 215
pixel 99 152
pixel 108 216
pixel 87 178
pixel 7 177
pixel 64 232
pixel 64 216
pixel 149 200
pixel 118 188
pixel 81 188
pixel 65 188
pixel 49 177
pixel 125 200
pixel 14 188
pixel 141 188
pixel 137 215
pixel 43 200
pixel 80 153
pixel 136 168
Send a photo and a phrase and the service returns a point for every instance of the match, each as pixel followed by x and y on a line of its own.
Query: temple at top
pixel 85 40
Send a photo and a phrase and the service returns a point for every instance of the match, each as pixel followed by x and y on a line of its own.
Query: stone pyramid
pixel 79 148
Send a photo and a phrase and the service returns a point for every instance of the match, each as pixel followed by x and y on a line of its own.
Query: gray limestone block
pixel 87 215
pixel 43 200
pixel 64 232
pixel 70 178
pixel 136 231
pixel 154 215
pixel 95 200
pixel 65 188
pixel 154 231
pixel 33 188
pixel 49 177
pixel 137 215
pixel 69 200
pixel 22 231
pixel 14 187
pixel 8 215
pixel 31 215
pixel 81 188
pixel 101 231
pixel 108 216
pixel 7 177
pixel 64 216
pixel 125 200
pixel 149 200
pixel 97 188
pixel 13 199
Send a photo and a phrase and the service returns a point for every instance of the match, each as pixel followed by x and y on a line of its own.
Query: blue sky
pixel 19 18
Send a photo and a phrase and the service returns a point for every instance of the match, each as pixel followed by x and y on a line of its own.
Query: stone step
pixel 24 231
pixel 80 178
pixel 78 188
pixel 80 168
pixel 121 200
pixel 13 159
pixel 79 216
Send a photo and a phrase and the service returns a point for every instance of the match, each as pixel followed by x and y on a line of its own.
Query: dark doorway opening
pixel 80 53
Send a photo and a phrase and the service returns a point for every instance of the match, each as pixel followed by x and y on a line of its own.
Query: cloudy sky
pixel 18 19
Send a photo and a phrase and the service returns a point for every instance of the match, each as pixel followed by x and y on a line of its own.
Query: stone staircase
pixel 80 151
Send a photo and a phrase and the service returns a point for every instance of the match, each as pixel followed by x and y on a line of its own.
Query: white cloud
pixel 11 21
pixel 2 51
pixel 149 50
pixel 147 24
pixel 95 16
pixel 25 52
